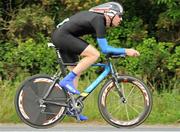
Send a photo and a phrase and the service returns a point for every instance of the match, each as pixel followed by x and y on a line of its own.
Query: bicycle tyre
pixel 27 105
pixel 121 118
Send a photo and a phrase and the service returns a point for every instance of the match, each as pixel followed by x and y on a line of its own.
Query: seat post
pixel 60 61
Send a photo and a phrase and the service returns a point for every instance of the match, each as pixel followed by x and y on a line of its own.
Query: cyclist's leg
pixel 76 80
pixel 71 47
pixel 90 56
pixel 69 83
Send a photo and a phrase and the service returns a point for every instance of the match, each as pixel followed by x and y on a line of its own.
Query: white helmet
pixel 110 8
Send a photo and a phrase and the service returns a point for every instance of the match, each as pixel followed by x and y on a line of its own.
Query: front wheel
pixel 131 112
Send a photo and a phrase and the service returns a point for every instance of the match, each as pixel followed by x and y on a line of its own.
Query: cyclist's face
pixel 117 20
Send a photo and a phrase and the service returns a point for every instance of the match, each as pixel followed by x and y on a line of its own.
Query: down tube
pixel 98 80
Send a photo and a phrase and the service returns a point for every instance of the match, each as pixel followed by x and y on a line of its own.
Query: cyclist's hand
pixel 132 52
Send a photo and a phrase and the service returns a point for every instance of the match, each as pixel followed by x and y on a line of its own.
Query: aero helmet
pixel 110 8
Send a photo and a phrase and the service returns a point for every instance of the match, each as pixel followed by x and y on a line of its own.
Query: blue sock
pixel 67 83
pixel 70 76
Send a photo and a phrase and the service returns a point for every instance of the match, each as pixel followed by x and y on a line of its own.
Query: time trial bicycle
pixel 124 101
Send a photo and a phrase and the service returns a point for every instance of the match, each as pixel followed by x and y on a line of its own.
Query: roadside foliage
pixel 150 26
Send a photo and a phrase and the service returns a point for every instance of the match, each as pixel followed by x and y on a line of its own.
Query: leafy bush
pixel 77 5
pixel 28 22
pixel 156 64
pixel 29 56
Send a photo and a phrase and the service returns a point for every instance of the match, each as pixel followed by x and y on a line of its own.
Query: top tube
pixel 99 64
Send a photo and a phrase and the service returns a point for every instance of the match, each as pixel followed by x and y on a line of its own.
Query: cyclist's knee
pixel 94 55
pixel 92 52
pixel 97 55
pixel 70 68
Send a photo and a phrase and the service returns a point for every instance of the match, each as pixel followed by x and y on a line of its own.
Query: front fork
pixel 119 89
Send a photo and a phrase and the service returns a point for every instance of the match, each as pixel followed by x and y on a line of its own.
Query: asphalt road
pixel 83 127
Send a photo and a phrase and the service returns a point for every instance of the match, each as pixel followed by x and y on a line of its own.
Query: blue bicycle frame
pixel 107 70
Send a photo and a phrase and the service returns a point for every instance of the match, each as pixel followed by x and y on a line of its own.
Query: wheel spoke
pixel 127 114
pixel 116 93
pixel 139 106
pixel 135 98
pixel 130 92
pixel 134 109
pixel 115 110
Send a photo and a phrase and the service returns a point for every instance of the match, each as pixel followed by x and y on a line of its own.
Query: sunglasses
pixel 119 15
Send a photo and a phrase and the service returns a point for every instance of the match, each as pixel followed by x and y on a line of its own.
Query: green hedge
pixel 156 65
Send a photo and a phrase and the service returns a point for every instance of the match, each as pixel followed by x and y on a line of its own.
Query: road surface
pixel 83 127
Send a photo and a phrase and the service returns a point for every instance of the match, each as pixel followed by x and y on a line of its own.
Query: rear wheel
pixel 28 102
pixel 133 111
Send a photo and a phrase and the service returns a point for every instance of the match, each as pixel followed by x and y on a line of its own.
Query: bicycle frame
pixel 108 69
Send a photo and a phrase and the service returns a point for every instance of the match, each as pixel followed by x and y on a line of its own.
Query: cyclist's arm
pixel 105 48
pixel 99 25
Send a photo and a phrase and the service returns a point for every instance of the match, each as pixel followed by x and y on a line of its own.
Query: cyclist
pixel 66 38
